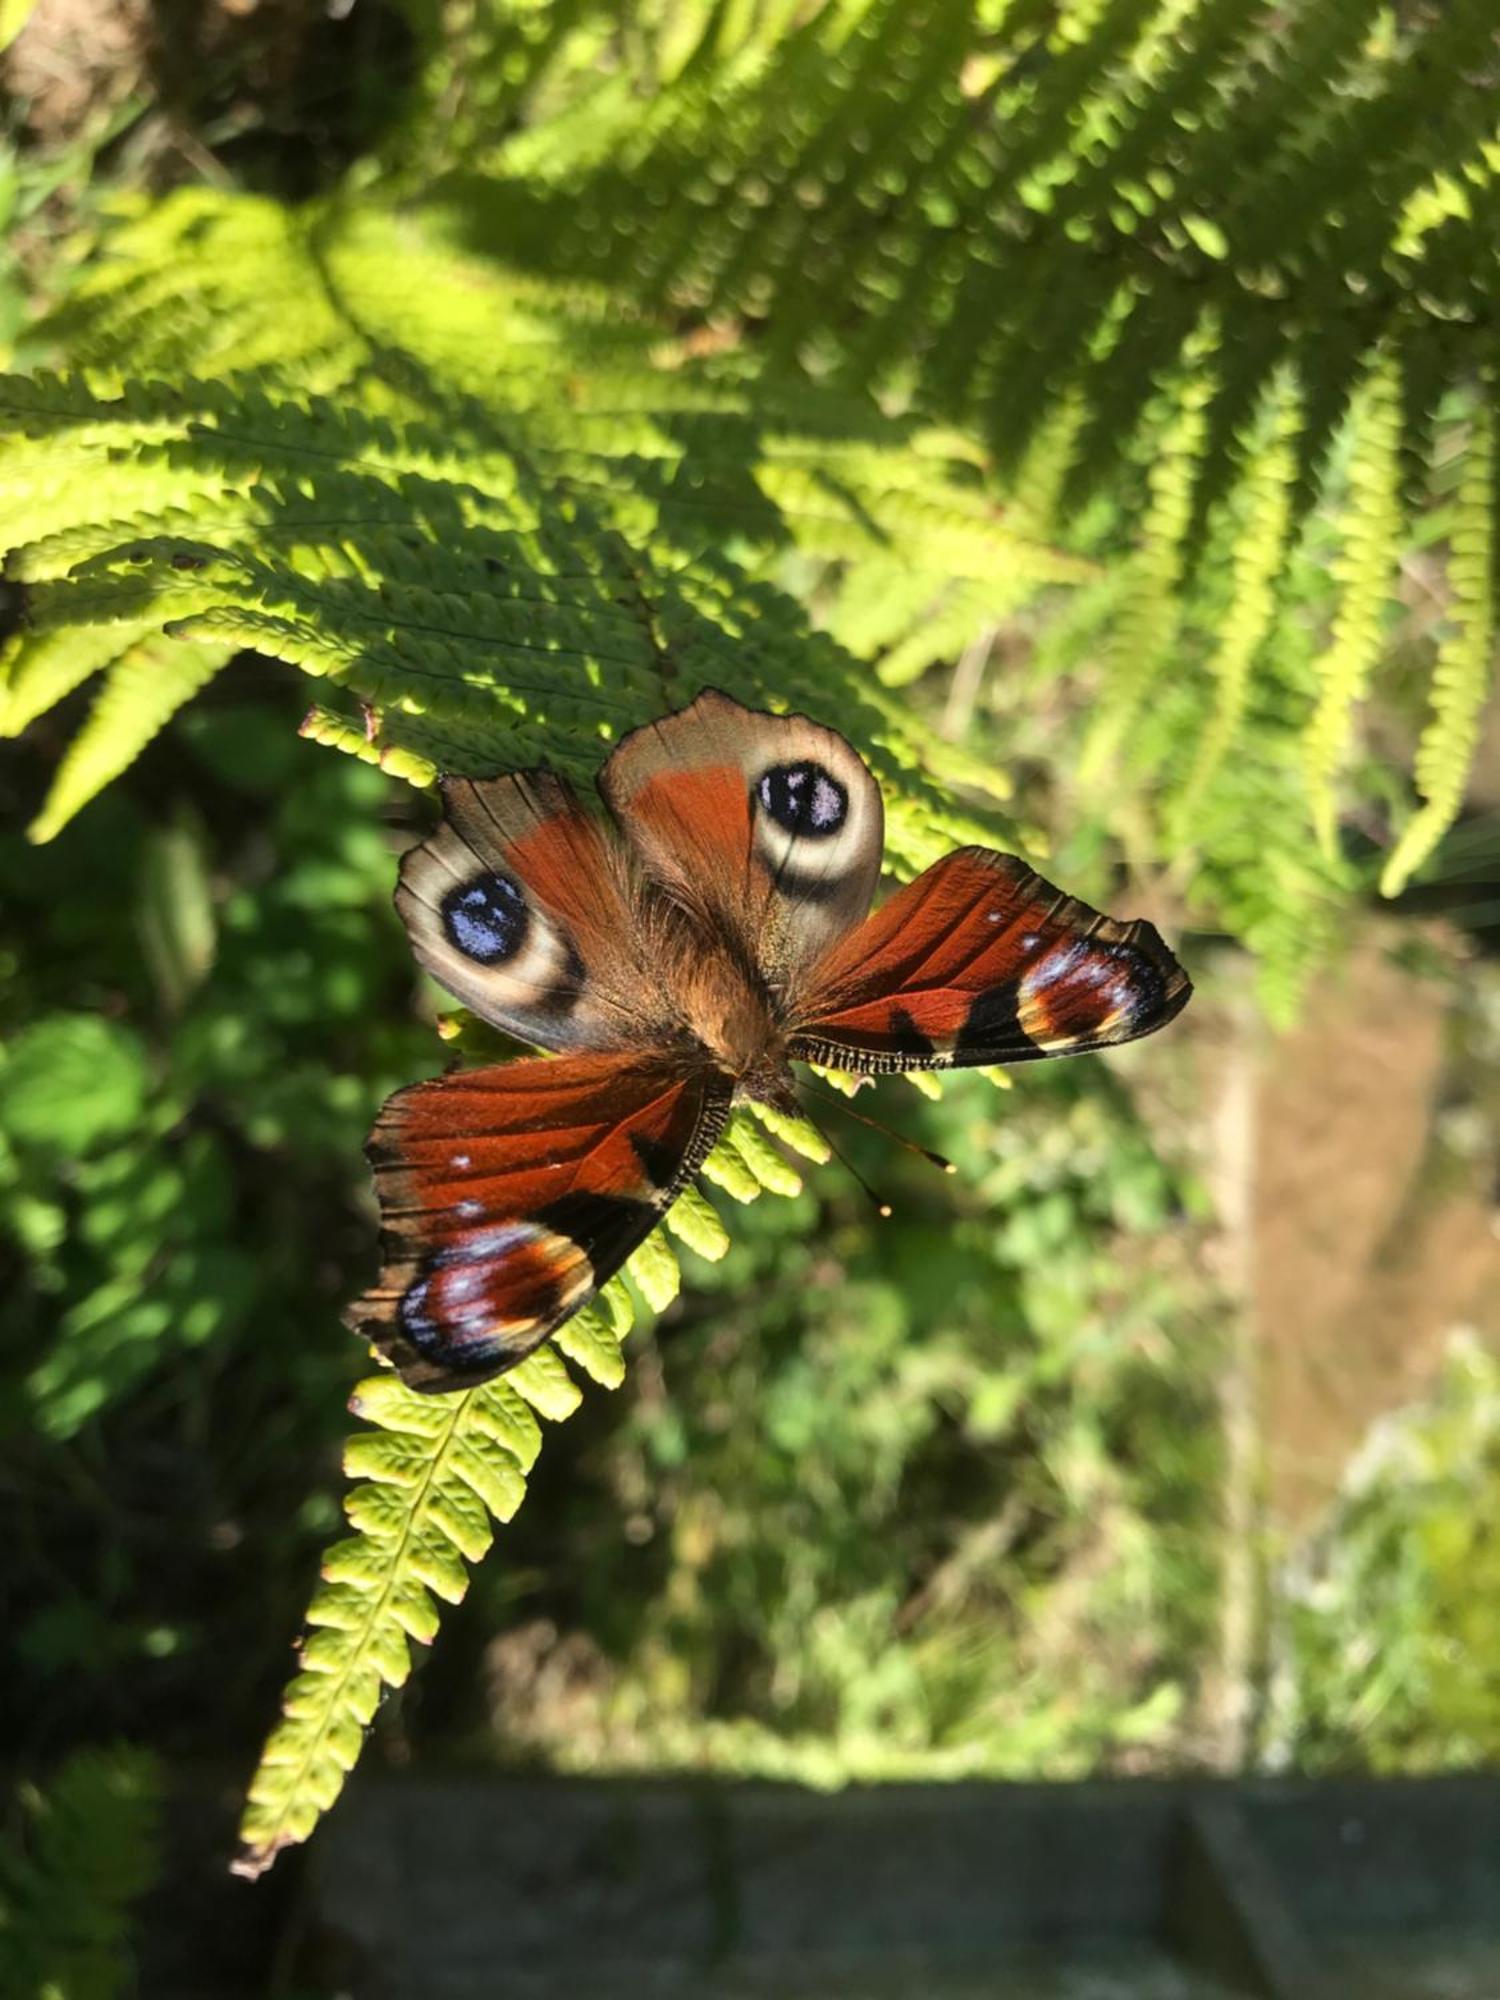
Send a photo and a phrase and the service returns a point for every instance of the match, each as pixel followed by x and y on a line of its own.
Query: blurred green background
pixel 1162 1437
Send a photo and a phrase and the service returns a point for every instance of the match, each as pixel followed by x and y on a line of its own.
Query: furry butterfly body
pixel 677 953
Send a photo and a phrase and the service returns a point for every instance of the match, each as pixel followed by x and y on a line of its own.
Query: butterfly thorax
pixel 715 1006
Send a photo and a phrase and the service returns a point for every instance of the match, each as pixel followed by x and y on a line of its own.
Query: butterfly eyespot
pixel 803 799
pixel 486 919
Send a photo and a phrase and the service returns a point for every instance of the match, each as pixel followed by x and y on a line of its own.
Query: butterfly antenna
pixel 938 1160
pixel 881 1205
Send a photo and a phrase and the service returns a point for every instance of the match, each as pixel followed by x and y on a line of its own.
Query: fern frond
pixel 695 1221
pixel 1265 506
pixel 434 1471
pixel 1465 662
pixel 1364 570
pixel 503 537
pixel 142 691
pixel 1024 221
pixel 42 669
pixel 1151 608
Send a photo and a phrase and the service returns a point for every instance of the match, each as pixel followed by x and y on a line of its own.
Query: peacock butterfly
pixel 677 954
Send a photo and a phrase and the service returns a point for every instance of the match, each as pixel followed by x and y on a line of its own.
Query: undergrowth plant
pixel 792 351
pixel 75 1857
pixel 1386 1636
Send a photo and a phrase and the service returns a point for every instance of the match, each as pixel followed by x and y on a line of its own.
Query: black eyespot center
pixel 486 919
pixel 804 799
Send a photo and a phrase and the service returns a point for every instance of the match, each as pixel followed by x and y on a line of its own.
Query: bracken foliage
pixel 1132 236
pixel 78 1854
pixel 792 351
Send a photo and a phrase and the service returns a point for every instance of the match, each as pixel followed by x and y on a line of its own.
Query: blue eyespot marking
pixel 486 919
pixel 803 799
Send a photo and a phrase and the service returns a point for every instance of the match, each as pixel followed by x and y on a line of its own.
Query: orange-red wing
pixel 509 1195
pixel 981 961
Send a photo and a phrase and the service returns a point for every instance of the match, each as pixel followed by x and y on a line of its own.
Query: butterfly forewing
pixel 981 961
pixel 769 827
pixel 509 1195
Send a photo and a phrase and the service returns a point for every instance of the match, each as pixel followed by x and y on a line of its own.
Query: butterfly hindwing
pixel 766 826
pixel 509 1195
pixel 517 904
pixel 981 961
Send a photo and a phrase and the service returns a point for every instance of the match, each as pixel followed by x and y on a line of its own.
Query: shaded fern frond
pixel 1151 605
pixel 87 1850
pixel 142 690
pixel 965 194
pixel 1265 498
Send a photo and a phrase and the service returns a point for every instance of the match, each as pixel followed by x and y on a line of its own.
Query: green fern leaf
pixel 695 1221
pixel 41 669
pixel 592 1342
pixel 1265 501
pixel 84 1849
pixel 745 1138
pixel 433 1473
pixel 1372 528
pixel 800 1134
pixel 142 690
pixel 1465 662
pixel 655 1272
pixel 1150 612
pixel 726 1169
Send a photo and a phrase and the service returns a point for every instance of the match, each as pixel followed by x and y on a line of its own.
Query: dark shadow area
pixel 1268 1890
